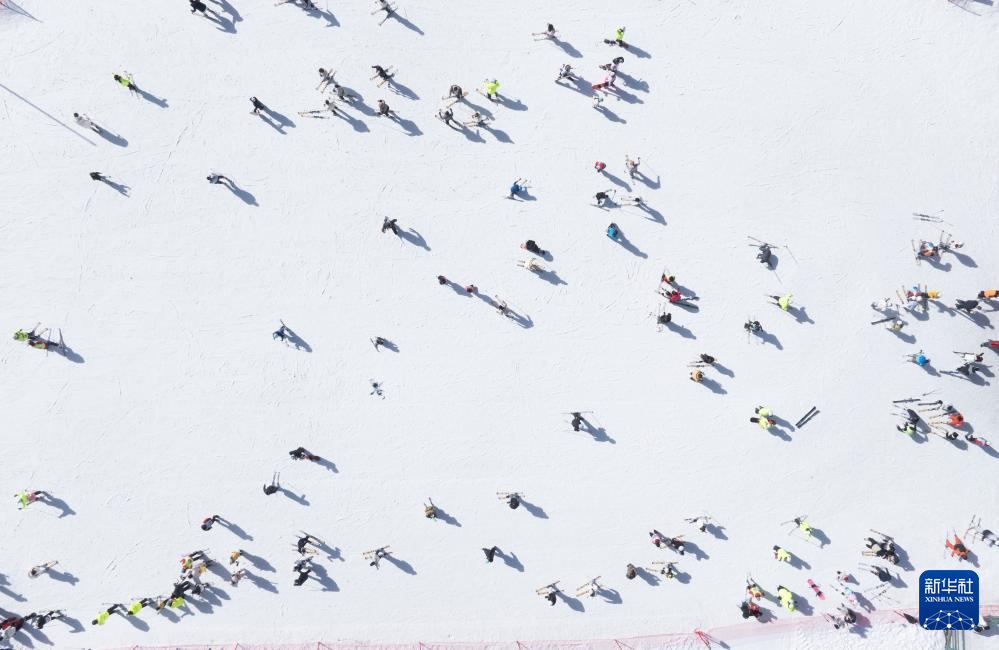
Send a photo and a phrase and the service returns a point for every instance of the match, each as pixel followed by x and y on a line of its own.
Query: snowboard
pixel 815 588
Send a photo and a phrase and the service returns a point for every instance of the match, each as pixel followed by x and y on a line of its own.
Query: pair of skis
pixel 454 100
pixel 389 73
pixel 325 80
pixel 807 417
pixel 589 589
pixel 383 550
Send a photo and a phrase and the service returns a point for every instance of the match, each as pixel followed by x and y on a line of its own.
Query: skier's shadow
pixel 978 318
pixel 235 529
pixel 651 184
pixel 695 550
pixel 63 576
pixel 552 277
pixel 297 498
pixel 964 259
pixel 38 635
pixel 599 434
pixel 261 582
pixel 713 386
pixel 800 315
pixel 229 9
pixel 121 188
pixel 779 433
pixel 354 123
pixel 402 89
pixel 653 214
pixel 861 626
pixel 277 121
pixel 610 596
pixel 479 109
pixel 151 98
pixel 617 181
pixel 799 563
pixel 511 560
pixel 472 134
pixel 324 579
pixel 626 244
pixel 68 352
pixel 624 95
pixel 722 369
pixel 409 126
pixel 637 51
pixel 499 134
pixel 574 604
pixel 930 370
pixel 580 85
pixel 113 138
pixel 59 504
pixel 535 510
pixel 406 23
pixel 224 24
pixel 649 577
pixel 316 12
pixel 296 340
pixel 521 320
pixel 413 237
pixel 908 338
pixel 447 518
pixel 767 337
pixel 512 104
pixel 938 264
pixel 4 583
pixel 821 537
pixel 402 565
pixel 243 195
pixel 258 562
pixel 716 531
pixel 631 82
pixel 680 329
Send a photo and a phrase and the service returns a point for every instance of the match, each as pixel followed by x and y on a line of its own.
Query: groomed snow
pixel 817 126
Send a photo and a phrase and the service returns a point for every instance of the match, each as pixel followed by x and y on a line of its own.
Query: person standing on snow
pixel 209 522
pixel 257 106
pixel 784 302
pixel 918 358
pixel 383 109
pixel 86 122
pixel 389 224
pixel 631 166
pixel 565 72
pixel 490 553
pixel 909 423
pixel 492 89
pixel 781 554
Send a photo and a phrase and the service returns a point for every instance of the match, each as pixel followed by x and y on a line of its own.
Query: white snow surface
pixel 819 127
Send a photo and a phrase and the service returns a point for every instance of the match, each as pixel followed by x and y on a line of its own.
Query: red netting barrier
pixel 655 642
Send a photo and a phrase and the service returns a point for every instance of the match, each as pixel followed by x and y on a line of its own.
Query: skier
pixel 676 543
pixel 631 166
pixel 126 81
pixel 477 119
pixel 619 37
pixel 301 453
pixel 389 224
pixel 849 616
pixel 765 254
pixel 39 569
pixel 883 574
pixel 303 544
pixel 977 440
pixel 972 357
pixel 490 553
pixel 753 326
pixel 429 510
pixel 708 359
pixel 198 5
pixel 513 500
pixel 381 73
pixel 630 571
pixel 968 369
pixel 909 423
pixel 784 302
pixel 786 598
pixel 303 568
pixel 532 265
pixel 209 522
pixel 577 421
pixel 967 305
pixel 85 121
pixel 517 187
pixel 442 280
pixel 599 167
pixel 491 86
pixel 103 616
pixel 992 344
pixel 957 548
pixel 984 294
pixel 456 92
pixel 446 115
pixel 282 333
pixel 275 484
pixel 379 554
pixel 989 537
pixel 549 33
pixel 697 376
pixel 597 101
pixel 664 318
pixel 26 498
pixel 565 72
pixel 379 341
pixel 753 589
pixel 42 618
pixel 383 5
pixel 257 106
pixel 658 539
pixel 531 246
pixel 763 419
pixel 749 608
pixel 383 109
pixel 918 358
pixel 781 554
pixel 97 176
pixel 803 526
pixel 216 179
pixel 613 231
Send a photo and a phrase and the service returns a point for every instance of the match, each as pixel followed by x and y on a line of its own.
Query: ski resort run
pixel 408 325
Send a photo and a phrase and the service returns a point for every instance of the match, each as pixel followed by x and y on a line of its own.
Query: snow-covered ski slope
pixel 819 127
